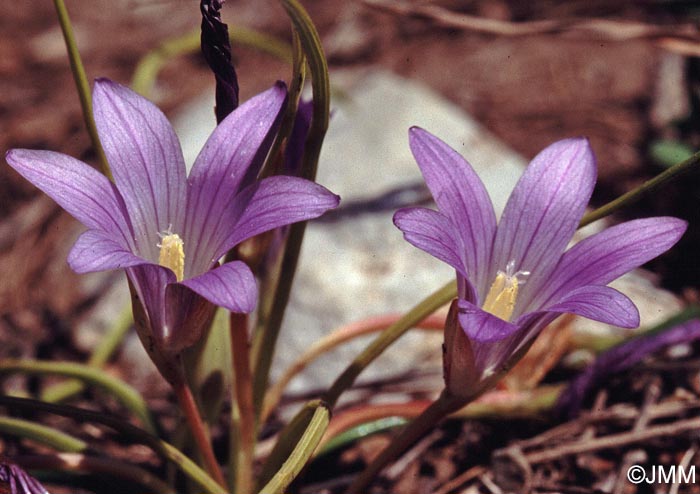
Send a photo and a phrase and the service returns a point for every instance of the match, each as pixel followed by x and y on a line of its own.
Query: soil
pixel 624 91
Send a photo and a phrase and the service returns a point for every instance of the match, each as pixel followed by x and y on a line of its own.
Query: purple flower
pixel 19 481
pixel 618 359
pixel 167 229
pixel 515 277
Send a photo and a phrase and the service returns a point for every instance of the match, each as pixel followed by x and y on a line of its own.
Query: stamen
pixel 500 301
pixel 172 253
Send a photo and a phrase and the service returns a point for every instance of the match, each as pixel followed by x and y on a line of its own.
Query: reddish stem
pixel 198 429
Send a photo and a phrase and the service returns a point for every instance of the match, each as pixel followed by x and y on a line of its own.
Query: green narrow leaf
pixel 127 395
pixel 81 83
pixel 42 434
pixel 264 345
pixel 302 452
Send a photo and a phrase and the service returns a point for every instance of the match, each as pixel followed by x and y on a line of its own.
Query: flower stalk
pixel 409 435
pixel 81 83
pixel 199 431
pixel 245 428
pixel 264 343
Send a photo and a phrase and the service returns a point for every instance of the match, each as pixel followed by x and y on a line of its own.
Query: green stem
pixel 127 395
pixel 333 339
pixel 302 452
pixel 292 430
pixel 125 429
pixel 81 83
pixel 42 434
pixel 416 429
pixel 646 188
pixel 102 353
pixel 423 309
pixel 245 425
pixel 264 345
pixel 264 334
pixel 198 429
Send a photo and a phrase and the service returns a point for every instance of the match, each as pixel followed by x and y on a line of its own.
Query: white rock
pixel 361 266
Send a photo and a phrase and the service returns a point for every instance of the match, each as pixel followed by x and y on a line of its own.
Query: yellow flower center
pixel 500 301
pixel 172 254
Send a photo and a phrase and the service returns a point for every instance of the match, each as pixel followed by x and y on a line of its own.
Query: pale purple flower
pixel 167 229
pixel 19 481
pixel 515 277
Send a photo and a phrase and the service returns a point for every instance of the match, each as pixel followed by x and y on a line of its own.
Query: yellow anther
pixel 500 300
pixel 172 254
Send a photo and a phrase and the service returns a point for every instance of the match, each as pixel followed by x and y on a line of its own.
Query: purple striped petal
pixel 188 314
pixel 602 258
pixel 434 233
pixel 146 161
pixel 461 196
pixel 600 303
pixel 97 251
pixel 150 282
pixel 231 286
pixel 78 188
pixel 492 339
pixel 543 212
pixel 275 202
pixel 230 160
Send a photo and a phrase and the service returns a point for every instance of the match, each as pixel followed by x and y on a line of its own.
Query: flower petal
pixel 229 161
pixel 188 314
pixel 434 233
pixel 150 282
pixel 543 212
pixel 605 256
pixel 146 161
pixel 461 196
pixel 493 340
pixel 600 303
pixel 269 204
pixel 96 251
pixel 231 286
pixel 78 188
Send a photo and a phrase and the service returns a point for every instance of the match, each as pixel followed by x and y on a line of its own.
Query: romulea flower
pixel 514 277
pixel 18 481
pixel 169 230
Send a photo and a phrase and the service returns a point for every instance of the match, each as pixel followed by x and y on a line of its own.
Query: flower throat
pixel 172 254
pixel 503 294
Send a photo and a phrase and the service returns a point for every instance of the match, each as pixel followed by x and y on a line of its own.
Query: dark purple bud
pixel 294 151
pixel 217 52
